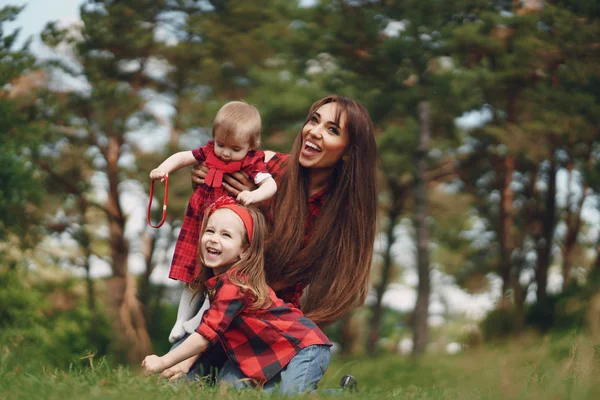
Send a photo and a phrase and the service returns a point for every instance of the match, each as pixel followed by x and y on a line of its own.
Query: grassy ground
pixel 528 367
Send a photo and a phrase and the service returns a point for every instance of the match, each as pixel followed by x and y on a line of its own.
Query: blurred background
pixel 487 118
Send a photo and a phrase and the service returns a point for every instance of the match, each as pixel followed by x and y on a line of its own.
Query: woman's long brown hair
pixel 249 272
pixel 336 260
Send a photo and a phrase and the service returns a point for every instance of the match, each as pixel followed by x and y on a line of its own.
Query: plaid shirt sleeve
pixel 201 152
pixel 254 163
pixel 276 165
pixel 227 302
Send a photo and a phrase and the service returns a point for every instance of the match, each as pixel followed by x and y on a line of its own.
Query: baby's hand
pixel 158 173
pixel 153 364
pixel 177 332
pixel 246 198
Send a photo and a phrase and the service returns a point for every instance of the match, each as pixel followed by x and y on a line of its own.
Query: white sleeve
pixel 261 176
pixel 192 324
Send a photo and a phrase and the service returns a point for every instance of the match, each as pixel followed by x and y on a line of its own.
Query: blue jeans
pixel 208 365
pixel 302 374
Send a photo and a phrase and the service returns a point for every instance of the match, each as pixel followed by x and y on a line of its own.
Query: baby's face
pixel 231 148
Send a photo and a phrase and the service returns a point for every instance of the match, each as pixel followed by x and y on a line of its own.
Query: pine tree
pixel 19 122
pixel 112 54
pixel 524 60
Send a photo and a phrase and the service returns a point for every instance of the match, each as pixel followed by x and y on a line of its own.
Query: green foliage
pixel 561 312
pixel 19 190
pixel 160 321
pixel 46 322
pixel 499 324
pixel 19 187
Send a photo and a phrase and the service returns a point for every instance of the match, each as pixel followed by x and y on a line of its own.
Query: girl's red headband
pixel 228 202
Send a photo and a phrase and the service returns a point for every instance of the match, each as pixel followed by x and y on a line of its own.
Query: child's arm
pixel 266 189
pixel 173 163
pixel 179 370
pixel 193 345
pixel 188 307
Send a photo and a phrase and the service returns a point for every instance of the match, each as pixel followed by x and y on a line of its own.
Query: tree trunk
pixel 505 227
pixel 85 243
pixel 393 213
pixel 421 313
pixel 548 223
pixel 149 245
pixel 350 334
pixel 573 222
pixel 129 327
pixel 519 295
pixel 596 266
pixel 124 308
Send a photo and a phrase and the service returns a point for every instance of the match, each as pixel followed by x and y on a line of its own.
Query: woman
pixel 323 215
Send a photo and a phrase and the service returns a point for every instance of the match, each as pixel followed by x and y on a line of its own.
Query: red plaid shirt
pixel 259 342
pixel 184 266
pixel 276 166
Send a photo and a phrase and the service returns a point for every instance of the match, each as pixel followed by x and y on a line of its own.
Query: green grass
pixel 528 367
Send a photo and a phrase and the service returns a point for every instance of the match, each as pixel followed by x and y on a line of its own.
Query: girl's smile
pixel 223 243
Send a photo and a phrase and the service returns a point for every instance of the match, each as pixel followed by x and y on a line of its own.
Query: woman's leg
pixel 303 372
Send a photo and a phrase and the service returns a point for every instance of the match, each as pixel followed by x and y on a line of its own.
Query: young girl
pixel 267 342
pixel 236 134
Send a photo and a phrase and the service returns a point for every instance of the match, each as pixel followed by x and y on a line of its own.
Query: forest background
pixel 487 116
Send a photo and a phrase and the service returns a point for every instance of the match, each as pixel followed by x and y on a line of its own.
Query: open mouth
pixel 212 252
pixel 311 147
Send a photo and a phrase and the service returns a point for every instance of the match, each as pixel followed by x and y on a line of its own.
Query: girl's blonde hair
pixel 249 272
pixel 238 119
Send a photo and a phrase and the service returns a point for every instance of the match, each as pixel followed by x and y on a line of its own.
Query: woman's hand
pixel 153 364
pixel 234 183
pixel 199 172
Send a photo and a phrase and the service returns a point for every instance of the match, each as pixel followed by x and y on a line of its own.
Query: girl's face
pixel 323 140
pixel 231 148
pixel 222 243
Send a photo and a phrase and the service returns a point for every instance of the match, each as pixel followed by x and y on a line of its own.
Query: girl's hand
pixel 158 173
pixel 175 372
pixel 153 364
pixel 234 183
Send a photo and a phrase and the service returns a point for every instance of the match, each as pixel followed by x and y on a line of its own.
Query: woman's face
pixel 324 142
